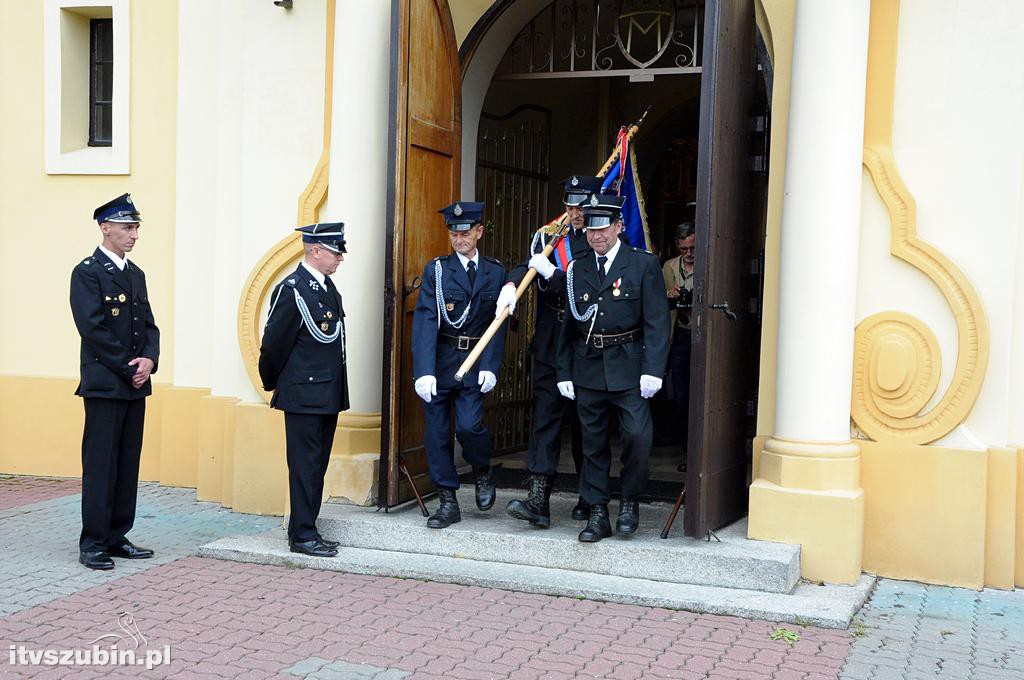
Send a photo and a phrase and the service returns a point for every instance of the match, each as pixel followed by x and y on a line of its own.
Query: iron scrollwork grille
pixel 600 38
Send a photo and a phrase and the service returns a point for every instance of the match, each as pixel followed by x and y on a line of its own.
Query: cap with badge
pixel 601 210
pixel 121 210
pixel 578 189
pixel 329 235
pixel 462 215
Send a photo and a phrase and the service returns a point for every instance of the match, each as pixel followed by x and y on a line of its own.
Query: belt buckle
pixel 463 342
pixel 598 342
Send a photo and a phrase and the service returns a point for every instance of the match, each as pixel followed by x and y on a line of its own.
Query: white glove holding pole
pixel 542 265
pixel 566 389
pixel 649 386
pixel 426 387
pixel 487 381
pixel 506 298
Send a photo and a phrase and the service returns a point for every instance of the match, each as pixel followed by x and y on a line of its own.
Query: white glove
pixel 565 388
pixel 506 298
pixel 542 265
pixel 426 387
pixel 649 386
pixel 487 381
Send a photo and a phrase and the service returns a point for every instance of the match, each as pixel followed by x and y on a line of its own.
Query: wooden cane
pixel 415 491
pixel 675 511
pixel 531 272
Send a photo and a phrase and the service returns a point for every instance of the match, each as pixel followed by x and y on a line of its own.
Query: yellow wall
pixel 45 223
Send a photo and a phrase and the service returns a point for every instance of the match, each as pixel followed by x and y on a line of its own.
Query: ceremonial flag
pixel 623 180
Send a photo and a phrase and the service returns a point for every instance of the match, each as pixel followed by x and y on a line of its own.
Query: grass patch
pixel 790 637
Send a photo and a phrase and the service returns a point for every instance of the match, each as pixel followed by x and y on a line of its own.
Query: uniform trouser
pixel 308 438
pixel 111 446
pixel 475 439
pixel 680 362
pixel 595 408
pixel 550 409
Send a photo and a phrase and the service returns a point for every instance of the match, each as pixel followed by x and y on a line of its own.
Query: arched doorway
pixel 616 66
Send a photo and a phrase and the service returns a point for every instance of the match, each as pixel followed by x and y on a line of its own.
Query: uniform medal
pixel 121 298
pixel 115 311
pixel 615 287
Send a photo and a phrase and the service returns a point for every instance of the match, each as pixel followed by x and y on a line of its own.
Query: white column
pixel 821 221
pixel 358 186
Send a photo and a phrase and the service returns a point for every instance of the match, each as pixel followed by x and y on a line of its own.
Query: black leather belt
pixel 463 342
pixel 603 341
pixel 559 311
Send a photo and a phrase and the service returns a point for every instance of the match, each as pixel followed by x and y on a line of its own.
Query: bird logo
pixel 126 622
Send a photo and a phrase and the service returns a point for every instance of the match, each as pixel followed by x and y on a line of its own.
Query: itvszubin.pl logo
pixel 112 649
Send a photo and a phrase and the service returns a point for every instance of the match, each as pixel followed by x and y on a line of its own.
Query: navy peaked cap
pixel 462 215
pixel 601 210
pixel 330 235
pixel 578 189
pixel 121 209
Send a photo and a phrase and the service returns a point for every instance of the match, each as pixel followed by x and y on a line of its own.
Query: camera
pixel 685 300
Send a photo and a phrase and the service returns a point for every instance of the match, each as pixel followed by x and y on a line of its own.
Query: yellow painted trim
pixel 179 440
pixel 284 253
pixel 896 360
pixel 1018 570
pixel 260 475
pixel 210 464
pixel 1001 518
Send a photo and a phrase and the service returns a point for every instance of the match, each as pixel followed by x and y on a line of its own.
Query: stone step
pixel 733 561
pixel 826 606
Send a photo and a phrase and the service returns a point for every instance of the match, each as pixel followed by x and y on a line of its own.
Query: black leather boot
pixel 536 509
pixel 598 526
pixel 629 516
pixel 485 490
pixel 448 512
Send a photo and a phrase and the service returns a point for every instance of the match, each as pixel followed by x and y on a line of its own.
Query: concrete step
pixel 731 562
pixel 826 606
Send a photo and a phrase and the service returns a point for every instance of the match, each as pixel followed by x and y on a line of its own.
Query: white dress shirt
pixel 466 260
pixel 119 262
pixel 612 252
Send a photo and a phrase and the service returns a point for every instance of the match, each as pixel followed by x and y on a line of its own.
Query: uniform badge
pixel 575 181
pixel 121 298
pixel 450 306
pixel 586 297
pixel 330 314
pixel 324 326
pixel 313 285
pixel 115 311
pixel 615 287
pixel 594 200
pixel 106 298
pixel 457 210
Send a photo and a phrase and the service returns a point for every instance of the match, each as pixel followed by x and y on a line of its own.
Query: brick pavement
pixel 228 619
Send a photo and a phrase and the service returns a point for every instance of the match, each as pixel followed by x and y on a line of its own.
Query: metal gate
pixel 512 177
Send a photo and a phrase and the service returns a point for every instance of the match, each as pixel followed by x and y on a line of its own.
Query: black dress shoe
pixel 129 551
pixel 485 490
pixel 629 516
pixel 581 513
pixel 448 513
pixel 312 548
pixel 328 543
pixel 598 525
pixel 536 509
pixel 96 560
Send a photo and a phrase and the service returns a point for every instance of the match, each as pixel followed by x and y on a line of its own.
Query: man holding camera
pixel 678 275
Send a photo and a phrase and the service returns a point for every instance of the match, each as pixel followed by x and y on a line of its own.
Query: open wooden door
pixel 424 159
pixel 725 333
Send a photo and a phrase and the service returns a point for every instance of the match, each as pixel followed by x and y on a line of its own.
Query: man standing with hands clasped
pixel 302 359
pixel 611 357
pixel 455 306
pixel 119 351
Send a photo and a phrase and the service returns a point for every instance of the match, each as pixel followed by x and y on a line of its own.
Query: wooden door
pixel 725 336
pixel 424 155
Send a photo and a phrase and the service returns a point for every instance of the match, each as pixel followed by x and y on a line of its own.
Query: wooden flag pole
pixel 563 224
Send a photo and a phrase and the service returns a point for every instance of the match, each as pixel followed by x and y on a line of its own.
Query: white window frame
pixel 77 157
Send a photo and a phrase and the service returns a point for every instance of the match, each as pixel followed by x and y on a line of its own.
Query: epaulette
pixel 86 262
pixel 441 258
pixel 492 259
pixel 289 282
pixel 642 250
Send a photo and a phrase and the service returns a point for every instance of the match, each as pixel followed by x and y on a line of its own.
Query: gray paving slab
pixel 826 606
pixel 39 542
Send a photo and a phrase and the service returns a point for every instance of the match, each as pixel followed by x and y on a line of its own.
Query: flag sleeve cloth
pixel 634 214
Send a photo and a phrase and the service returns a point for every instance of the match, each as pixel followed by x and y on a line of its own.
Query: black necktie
pixel 471 270
pixel 601 260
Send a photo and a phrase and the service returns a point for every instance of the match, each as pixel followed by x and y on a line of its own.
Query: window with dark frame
pixel 101 76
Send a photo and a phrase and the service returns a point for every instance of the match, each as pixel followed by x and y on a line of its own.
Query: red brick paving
pixel 227 619
pixel 15 491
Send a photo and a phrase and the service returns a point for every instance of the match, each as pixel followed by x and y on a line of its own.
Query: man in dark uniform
pixel 120 350
pixel 612 356
pixel 549 407
pixel 455 306
pixel 302 359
